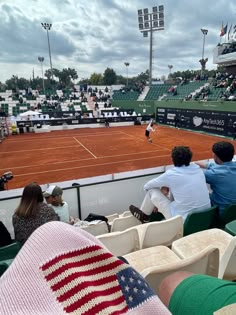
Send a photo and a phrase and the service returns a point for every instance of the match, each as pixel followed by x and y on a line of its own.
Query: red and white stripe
pixel 85 281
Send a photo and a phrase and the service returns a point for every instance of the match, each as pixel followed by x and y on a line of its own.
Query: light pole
pixel 203 61
pixel 149 23
pixel 170 67
pixel 41 60
pixel 47 27
pixel 127 72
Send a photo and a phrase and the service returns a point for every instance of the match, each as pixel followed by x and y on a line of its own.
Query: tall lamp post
pixel 149 23
pixel 170 67
pixel 127 72
pixel 47 27
pixel 203 61
pixel 41 60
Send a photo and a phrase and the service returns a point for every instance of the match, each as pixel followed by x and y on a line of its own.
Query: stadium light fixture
pixel 149 23
pixel 41 60
pixel 47 27
pixel 127 72
pixel 203 61
pixel 170 67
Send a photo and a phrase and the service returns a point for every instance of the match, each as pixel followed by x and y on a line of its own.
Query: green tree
pixel 109 77
pixel 96 79
pixel 65 76
pixel 143 76
pixel 17 83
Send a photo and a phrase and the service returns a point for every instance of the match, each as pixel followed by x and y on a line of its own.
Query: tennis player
pixel 148 130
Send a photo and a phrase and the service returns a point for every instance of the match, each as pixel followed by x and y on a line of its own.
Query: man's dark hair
pixel 223 150
pixel 181 156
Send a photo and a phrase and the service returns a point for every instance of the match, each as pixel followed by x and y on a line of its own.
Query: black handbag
pixel 94 216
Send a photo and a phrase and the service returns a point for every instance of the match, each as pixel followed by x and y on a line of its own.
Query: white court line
pixel 91 165
pixel 85 147
pixel 69 136
pixel 87 159
pixel 32 150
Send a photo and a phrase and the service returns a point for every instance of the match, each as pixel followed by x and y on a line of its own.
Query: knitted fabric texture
pixel 65 270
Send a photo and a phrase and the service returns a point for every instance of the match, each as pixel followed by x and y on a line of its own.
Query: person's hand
pixel 71 220
pixel 165 191
pixel 155 210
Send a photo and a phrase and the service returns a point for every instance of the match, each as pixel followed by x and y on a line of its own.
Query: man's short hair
pixel 223 150
pixel 181 156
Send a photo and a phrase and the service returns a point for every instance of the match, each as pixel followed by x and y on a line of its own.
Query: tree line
pixel 68 77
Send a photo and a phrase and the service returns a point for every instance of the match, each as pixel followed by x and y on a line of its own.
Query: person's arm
pixel 158 182
pixel 202 164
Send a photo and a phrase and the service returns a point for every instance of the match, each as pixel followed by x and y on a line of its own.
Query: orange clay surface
pixel 72 154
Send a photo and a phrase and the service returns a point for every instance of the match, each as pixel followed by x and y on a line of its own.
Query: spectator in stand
pixel 179 191
pixel 31 213
pixel 221 175
pixel 96 106
pixel 53 197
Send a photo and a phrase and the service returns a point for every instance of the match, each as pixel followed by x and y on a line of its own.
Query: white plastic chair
pixel 111 217
pixel 121 224
pixel 125 214
pixel 121 243
pixel 226 243
pixel 96 229
pixel 205 262
pixel 150 257
pixel 162 232
pixel 226 310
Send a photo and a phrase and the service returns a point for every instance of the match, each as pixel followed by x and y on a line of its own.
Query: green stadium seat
pixel 9 251
pixel 199 221
pixel 231 228
pixel 229 216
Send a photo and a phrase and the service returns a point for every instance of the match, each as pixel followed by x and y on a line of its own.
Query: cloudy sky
pixel 90 36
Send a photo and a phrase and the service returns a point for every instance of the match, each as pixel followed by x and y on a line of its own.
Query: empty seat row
pixel 143 236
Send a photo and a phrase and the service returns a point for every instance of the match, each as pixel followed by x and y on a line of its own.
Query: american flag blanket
pixel 65 270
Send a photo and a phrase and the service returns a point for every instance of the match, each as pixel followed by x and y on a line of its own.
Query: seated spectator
pixel 179 191
pixel 63 270
pixel 221 175
pixel 31 213
pixel 171 89
pixel 5 237
pixel 53 197
pixel 187 293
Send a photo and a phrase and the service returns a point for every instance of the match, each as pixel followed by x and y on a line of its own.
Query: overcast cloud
pixel 93 35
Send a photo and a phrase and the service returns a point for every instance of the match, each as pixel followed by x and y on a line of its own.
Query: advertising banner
pixel 219 123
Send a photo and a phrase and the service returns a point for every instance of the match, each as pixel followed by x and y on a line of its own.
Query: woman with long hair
pixel 31 213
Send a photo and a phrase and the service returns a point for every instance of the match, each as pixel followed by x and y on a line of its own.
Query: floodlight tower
pixel 170 67
pixel 47 27
pixel 149 23
pixel 203 61
pixel 127 72
pixel 41 60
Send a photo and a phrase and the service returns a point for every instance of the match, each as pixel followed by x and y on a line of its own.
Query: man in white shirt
pixel 179 191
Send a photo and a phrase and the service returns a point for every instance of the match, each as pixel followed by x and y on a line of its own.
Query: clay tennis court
pixel 79 153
